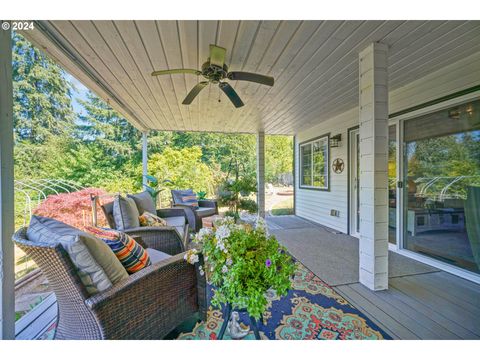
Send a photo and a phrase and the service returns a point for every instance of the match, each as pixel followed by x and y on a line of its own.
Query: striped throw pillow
pixel 190 200
pixel 130 253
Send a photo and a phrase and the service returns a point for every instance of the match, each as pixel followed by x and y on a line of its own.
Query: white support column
pixel 373 87
pixel 261 173
pixel 144 157
pixel 7 270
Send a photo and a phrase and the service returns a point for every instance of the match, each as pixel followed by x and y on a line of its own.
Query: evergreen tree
pixel 42 95
pixel 112 132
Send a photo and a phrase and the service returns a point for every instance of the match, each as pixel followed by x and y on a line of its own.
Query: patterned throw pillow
pixel 190 200
pixel 149 219
pixel 132 256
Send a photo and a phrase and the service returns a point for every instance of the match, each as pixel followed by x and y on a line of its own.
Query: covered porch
pixel 422 302
pixel 330 78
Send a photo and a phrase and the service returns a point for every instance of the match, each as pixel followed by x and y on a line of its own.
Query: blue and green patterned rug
pixel 310 310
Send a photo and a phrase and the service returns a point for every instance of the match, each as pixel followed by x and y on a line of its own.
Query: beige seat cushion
pixel 177 222
pixel 157 256
pixel 97 265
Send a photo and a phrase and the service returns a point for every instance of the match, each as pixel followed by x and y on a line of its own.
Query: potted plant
pixel 243 262
pixel 235 191
pixel 153 187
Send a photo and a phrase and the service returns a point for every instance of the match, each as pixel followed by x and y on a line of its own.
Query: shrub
pixel 73 208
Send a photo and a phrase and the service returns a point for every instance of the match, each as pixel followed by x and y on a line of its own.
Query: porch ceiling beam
pixel 7 270
pixel 373 106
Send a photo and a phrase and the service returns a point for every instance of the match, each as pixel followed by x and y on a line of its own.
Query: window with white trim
pixel 314 158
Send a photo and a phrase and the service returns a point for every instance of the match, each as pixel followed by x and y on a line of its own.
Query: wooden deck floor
pixel 426 306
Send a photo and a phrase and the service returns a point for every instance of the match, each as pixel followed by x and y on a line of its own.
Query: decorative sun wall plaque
pixel 338 166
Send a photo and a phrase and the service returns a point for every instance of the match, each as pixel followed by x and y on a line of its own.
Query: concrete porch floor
pixel 422 302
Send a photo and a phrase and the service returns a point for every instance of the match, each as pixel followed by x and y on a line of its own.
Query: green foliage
pixel 234 192
pixel 42 95
pixel 243 263
pixel 112 134
pixel 278 157
pixel 184 169
pixel 202 195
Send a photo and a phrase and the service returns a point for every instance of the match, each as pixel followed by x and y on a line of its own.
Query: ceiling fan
pixel 216 72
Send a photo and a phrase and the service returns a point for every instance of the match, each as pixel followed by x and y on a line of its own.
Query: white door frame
pixel 398 247
pixel 353 176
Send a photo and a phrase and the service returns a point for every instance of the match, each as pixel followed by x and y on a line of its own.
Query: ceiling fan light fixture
pixel 215 71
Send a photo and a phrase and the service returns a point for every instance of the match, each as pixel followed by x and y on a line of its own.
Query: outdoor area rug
pixel 310 310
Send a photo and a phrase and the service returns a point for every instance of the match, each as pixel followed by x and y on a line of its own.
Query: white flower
pixel 222 232
pixel 191 256
pixel 261 225
pixel 229 261
pixel 200 269
pixel 224 269
pixel 202 233
pixel 221 245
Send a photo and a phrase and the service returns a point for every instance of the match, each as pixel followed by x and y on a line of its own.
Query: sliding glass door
pixel 441 185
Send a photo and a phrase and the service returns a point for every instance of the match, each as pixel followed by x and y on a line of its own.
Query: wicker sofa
pixel 148 305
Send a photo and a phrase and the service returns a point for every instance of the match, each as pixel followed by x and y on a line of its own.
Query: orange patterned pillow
pixel 132 256
pixel 149 219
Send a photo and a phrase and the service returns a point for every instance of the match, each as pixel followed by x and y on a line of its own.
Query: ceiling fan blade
pixel 194 92
pixel 232 94
pixel 177 71
pixel 217 55
pixel 246 76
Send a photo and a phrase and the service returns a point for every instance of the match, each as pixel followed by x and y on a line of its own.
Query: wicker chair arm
pixel 192 217
pixel 151 302
pixel 166 238
pixel 170 212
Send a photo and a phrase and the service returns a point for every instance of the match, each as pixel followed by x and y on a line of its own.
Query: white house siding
pixel 316 205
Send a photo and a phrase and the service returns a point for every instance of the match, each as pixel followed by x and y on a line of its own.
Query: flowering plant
pixel 242 261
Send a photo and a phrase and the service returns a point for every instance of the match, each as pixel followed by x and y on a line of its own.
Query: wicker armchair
pixel 194 216
pixel 148 305
pixel 173 239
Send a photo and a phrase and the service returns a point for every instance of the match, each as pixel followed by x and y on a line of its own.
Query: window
pixel 314 160
pixel 442 185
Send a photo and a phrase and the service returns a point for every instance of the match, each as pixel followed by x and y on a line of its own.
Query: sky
pixel 79 92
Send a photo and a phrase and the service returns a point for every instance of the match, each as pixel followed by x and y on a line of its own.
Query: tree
pixel 117 138
pixel 42 95
pixel 185 169
pixel 278 157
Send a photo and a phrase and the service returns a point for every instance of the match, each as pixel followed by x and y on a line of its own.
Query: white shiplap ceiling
pixel 314 64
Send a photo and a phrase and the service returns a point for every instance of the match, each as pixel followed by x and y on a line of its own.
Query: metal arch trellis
pixel 442 194
pixel 33 192
pixel 39 189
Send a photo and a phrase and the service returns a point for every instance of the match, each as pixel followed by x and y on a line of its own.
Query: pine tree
pixel 42 95
pixel 119 139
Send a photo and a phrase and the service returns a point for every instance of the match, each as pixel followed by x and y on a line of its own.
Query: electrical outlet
pixel 334 212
